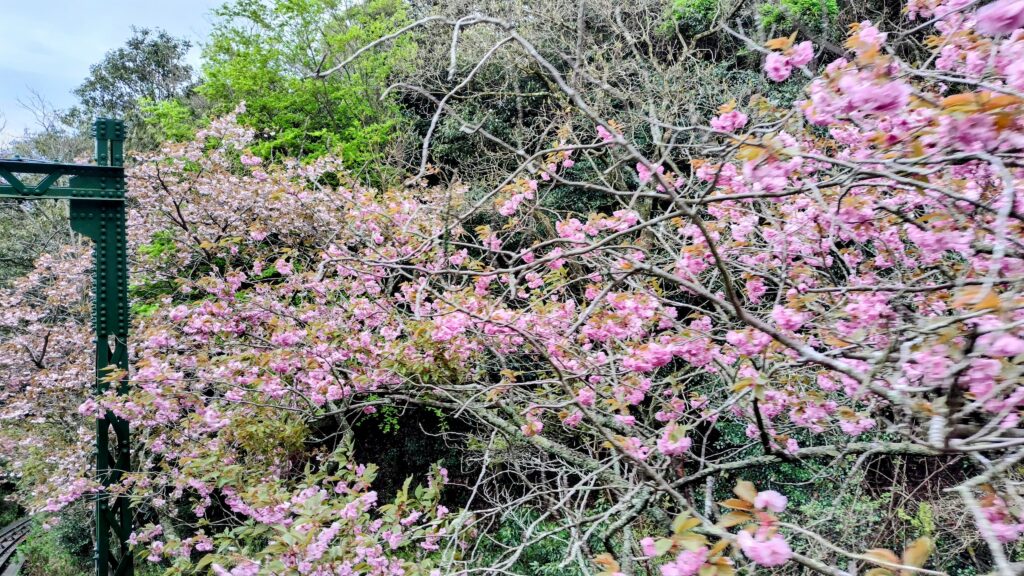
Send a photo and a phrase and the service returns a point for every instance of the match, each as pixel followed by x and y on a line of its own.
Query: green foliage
pixel 28 230
pixel 401 452
pixel 847 519
pixel 922 522
pixel 387 416
pixel 265 56
pixel 64 549
pixel 270 435
pixel 145 290
pixel 814 14
pixel 151 65
pixel 567 197
pixel 694 16
pixel 161 243
pixel 8 514
pixel 150 68
pixel 541 558
pixel 143 310
pixel 169 120
pixel 9 511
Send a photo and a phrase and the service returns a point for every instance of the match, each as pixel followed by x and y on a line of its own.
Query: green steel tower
pixel 97 198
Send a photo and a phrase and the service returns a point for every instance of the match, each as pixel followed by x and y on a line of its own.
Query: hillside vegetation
pixel 650 288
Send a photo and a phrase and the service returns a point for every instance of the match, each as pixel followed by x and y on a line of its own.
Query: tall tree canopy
pixel 150 66
pixel 268 56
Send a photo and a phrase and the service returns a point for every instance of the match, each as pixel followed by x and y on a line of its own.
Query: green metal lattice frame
pixel 97 197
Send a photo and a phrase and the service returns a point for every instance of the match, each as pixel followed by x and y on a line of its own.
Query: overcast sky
pixel 48 45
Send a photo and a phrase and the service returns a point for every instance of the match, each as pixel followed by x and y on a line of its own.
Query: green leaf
pixel 662 545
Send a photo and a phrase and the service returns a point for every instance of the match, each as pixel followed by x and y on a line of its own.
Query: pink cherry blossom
pixel 748 342
pixel 645 174
pixel 868 37
pixel 586 396
pixel 1001 17
pixel 1005 345
pixel 729 121
pixel 801 54
pixel 687 563
pixel 770 500
pixel 763 549
pixel 673 441
pixel 648 547
pixel 787 318
pixel 777 66
pixel 250 160
pixel 840 267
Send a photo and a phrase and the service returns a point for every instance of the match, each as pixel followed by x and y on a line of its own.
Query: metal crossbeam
pixel 61 181
pixel 97 212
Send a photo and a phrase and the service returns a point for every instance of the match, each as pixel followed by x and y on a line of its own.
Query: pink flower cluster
pixel 1000 17
pixel 673 441
pixel 528 189
pixel 687 563
pixel 779 65
pixel 764 547
pixel 729 121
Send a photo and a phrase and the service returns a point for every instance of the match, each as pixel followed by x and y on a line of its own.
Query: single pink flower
pixel 764 550
pixel 856 427
pixel 573 420
pixel 647 545
pixel 770 500
pixel 673 441
pixel 532 427
pixel 586 396
pixel 787 318
pixel 283 267
pixel 801 54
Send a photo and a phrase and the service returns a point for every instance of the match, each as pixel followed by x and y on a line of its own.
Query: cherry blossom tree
pixel 840 277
